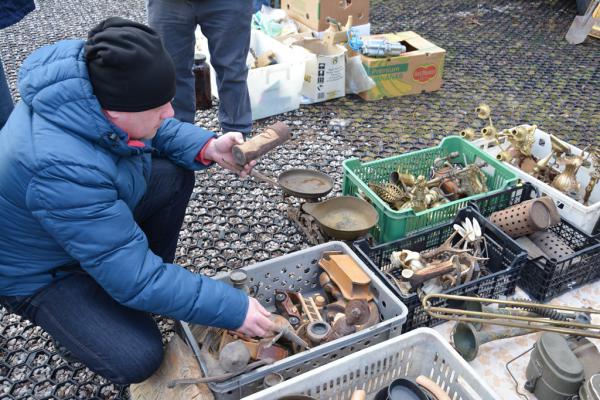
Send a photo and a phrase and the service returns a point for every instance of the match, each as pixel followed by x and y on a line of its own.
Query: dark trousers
pixel 119 343
pixel 6 101
pixel 226 25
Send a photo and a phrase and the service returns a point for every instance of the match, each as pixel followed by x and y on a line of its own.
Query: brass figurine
pixel 594 177
pixel 566 181
pixel 447 182
pixel 515 147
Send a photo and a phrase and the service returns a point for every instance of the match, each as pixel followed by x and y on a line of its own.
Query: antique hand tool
pixel 273 136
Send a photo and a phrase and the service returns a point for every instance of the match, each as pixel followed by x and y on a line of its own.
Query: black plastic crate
pixel 544 278
pixel 505 259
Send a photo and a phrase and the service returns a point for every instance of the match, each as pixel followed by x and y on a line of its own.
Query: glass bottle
pixel 201 72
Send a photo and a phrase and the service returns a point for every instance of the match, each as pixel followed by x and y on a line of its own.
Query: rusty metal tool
pixel 311 310
pixel 318 331
pixel 271 351
pixel 357 312
pixel 419 277
pixel 219 378
pixel 287 308
pixel 273 136
pixel 234 356
pixel 289 334
pixel 282 328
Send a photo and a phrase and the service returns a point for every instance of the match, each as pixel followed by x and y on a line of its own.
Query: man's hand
pixel 219 151
pixel 257 321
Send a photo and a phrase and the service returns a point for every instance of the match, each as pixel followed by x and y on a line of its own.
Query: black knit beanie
pixel 128 65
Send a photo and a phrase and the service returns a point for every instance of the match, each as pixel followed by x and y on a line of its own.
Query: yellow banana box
pixel 419 69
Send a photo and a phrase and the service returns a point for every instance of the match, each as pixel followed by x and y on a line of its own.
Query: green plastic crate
pixel 394 224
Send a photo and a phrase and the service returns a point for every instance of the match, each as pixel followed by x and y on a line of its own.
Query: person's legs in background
pixel 176 24
pixel 6 101
pixel 226 25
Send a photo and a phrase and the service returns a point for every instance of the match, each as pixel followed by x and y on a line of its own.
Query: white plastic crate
pixel 273 89
pixel 419 352
pixel 584 217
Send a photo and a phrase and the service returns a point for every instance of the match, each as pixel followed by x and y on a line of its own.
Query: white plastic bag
pixel 357 79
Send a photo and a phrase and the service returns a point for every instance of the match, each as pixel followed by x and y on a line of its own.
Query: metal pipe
pixel 533 323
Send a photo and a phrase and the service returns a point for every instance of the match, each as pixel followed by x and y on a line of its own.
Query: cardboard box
pixel 273 89
pixel 314 13
pixel 304 32
pixel 325 73
pixel 418 70
pixel 596 28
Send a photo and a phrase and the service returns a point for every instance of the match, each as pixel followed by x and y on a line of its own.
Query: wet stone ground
pixel 510 54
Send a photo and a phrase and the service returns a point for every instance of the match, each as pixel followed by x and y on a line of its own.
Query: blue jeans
pixel 226 25
pixel 122 344
pixel 6 101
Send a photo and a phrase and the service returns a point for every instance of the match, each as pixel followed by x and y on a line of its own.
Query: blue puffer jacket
pixel 68 184
pixel 12 11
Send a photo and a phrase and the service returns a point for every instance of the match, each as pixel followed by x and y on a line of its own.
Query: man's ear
pixel 112 115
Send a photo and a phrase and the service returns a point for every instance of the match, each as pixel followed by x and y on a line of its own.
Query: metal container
pixel 546 276
pixel 527 217
pixel 553 372
pixel 590 390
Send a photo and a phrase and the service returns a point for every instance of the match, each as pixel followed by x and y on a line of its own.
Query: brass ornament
pixel 558 169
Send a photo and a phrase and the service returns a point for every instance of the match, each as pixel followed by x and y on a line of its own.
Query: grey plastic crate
pixel 419 352
pixel 299 271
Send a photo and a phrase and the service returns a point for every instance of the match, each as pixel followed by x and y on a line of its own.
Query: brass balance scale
pixel 341 218
pixel 338 218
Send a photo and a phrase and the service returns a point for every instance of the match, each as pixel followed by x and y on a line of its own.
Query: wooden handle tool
pixel 273 136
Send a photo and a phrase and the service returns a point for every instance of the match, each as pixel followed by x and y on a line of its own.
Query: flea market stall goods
pixel 561 256
pixel 336 218
pixel 567 174
pixel 469 256
pixel 342 218
pixel 421 357
pixel 425 187
pixel 328 305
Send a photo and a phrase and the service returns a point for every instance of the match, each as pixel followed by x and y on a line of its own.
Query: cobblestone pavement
pixel 510 54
